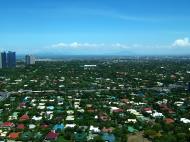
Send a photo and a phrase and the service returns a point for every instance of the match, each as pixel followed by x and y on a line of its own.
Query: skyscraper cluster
pixel 8 60
pixel 29 60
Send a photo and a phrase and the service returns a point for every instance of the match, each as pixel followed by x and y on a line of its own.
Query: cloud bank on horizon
pixel 103 27
pixel 185 42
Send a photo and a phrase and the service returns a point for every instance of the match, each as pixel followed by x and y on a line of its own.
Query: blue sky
pixel 151 27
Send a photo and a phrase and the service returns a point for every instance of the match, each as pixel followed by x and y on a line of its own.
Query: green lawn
pixel 61 139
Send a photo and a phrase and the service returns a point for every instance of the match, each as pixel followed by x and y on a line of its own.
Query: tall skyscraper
pixel 11 59
pixel 4 59
pixel 29 59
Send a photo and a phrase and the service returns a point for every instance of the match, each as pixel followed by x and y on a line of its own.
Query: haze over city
pixel 95 27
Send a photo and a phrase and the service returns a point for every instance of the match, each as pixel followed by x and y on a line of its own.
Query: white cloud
pixel 185 42
pixel 75 45
pixel 59 45
pixel 119 45
pixel 67 45
pixel 78 45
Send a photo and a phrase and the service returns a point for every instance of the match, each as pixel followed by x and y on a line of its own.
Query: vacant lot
pixel 137 138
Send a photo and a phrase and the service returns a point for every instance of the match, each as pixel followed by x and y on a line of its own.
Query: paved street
pixel 3 96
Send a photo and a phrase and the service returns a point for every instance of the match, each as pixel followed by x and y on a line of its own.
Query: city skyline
pixel 99 27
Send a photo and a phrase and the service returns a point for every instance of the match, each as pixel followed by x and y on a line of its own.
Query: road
pixel 4 96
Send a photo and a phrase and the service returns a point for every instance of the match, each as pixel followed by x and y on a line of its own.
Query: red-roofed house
pixel 7 125
pixel 44 126
pixel 52 136
pixel 107 130
pixel 165 108
pixel 169 120
pixel 147 109
pixel 118 110
pixel 21 126
pixel 14 135
pixel 103 117
pixel 22 105
pixel 24 117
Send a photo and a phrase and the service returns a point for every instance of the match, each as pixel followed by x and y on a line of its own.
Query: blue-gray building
pixel 3 60
pixel 11 59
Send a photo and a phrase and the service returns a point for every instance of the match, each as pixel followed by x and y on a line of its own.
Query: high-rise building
pixel 4 59
pixel 11 59
pixel 29 59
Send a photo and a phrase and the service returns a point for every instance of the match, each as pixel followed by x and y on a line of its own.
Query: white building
pixel 29 59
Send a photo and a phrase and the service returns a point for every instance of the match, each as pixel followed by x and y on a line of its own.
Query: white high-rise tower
pixel 29 59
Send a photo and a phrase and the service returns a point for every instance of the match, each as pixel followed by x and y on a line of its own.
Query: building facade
pixel 11 59
pixel 29 60
pixel 3 59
